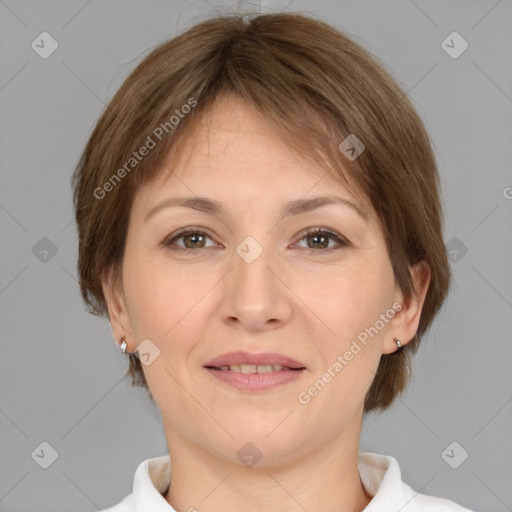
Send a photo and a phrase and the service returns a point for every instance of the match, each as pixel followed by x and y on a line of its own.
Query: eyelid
pixel 319 229
pixel 189 230
pixel 340 239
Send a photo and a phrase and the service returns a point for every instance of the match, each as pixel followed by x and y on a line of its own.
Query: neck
pixel 325 479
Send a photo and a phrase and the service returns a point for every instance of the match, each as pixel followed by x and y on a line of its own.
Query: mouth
pixel 248 369
pixel 254 372
pixel 246 359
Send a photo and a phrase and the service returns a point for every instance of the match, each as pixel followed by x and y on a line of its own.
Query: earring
pixel 399 346
pixel 123 346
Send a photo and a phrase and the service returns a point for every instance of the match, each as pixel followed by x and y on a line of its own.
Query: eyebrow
pixel 294 208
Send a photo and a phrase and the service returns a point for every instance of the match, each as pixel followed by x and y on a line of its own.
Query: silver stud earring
pixel 123 346
pixel 399 346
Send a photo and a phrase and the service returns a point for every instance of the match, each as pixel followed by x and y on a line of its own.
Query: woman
pixel 258 213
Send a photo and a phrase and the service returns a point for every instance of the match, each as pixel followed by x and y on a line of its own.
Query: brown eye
pixel 318 240
pixel 192 240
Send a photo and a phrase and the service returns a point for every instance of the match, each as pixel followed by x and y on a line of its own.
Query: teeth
pixel 252 368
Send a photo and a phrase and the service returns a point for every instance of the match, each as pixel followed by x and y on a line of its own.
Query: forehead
pixel 233 154
pixel 234 132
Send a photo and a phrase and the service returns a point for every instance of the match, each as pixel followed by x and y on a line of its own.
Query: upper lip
pixel 265 358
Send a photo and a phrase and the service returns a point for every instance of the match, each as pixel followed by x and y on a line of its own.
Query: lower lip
pixel 256 381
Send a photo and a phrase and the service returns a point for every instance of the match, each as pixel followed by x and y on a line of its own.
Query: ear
pixel 405 323
pixel 117 310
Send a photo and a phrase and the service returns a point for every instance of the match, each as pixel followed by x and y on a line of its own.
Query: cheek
pixel 351 350
pixel 161 308
pixel 156 296
pixel 164 306
pixel 352 299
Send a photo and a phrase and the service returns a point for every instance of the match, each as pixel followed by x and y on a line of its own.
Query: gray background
pixel 61 374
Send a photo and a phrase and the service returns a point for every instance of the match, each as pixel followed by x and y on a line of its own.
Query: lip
pixel 291 371
pixel 265 358
pixel 256 381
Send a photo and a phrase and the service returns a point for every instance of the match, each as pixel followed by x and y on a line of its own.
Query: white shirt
pixel 380 476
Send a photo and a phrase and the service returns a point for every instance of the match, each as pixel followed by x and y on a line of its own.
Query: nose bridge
pixel 252 260
pixel 253 292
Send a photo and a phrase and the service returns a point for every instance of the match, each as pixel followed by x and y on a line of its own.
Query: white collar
pixel 380 476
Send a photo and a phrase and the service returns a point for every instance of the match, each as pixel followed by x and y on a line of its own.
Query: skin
pixel 293 299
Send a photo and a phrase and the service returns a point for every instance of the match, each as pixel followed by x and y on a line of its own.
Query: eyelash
pixel 309 232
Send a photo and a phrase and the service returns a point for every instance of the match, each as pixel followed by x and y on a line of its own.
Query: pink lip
pixel 265 358
pixel 255 381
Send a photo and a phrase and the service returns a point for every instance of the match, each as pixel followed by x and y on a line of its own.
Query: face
pixel 247 278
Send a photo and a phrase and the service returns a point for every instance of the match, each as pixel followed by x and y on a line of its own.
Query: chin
pixel 271 442
pixel 258 450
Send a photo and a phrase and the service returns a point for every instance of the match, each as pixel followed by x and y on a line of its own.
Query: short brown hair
pixel 315 86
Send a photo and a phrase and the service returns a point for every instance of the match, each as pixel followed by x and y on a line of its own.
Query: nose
pixel 255 296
